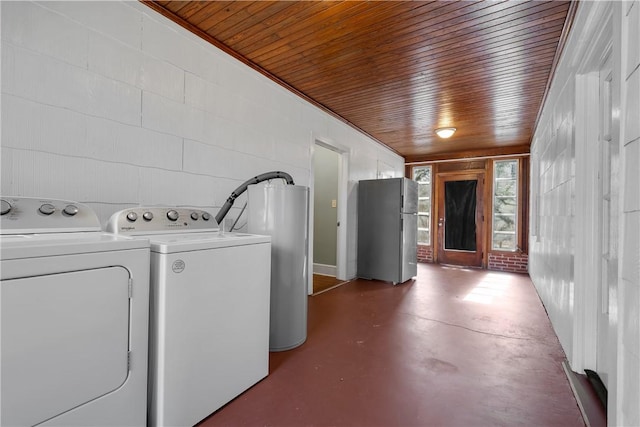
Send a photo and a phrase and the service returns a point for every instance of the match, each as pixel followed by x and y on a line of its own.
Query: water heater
pixel 282 212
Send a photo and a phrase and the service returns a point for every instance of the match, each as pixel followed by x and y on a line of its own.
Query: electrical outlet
pixel 334 203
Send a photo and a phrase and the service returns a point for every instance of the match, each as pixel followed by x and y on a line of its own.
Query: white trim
pixel 576 395
pixel 587 182
pixel 343 181
pixel 324 269
pixel 586 223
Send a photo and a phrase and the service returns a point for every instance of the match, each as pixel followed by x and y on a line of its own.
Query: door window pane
pixel 460 215
pixel 505 205
pixel 422 175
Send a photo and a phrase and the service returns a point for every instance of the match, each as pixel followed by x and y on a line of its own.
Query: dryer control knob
pixel 70 210
pixel 6 207
pixel 172 215
pixel 132 216
pixel 147 216
pixel 47 209
pixel 206 216
pixel 194 216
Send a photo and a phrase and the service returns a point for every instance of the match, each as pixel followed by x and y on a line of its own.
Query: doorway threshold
pixel 462 267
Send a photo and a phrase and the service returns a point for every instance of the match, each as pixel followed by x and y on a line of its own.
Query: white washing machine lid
pixel 185 242
pixel 21 246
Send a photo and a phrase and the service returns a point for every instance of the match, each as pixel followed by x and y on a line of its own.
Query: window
pixel 505 205
pixel 422 175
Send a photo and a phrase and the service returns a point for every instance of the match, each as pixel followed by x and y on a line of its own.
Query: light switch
pixel 334 203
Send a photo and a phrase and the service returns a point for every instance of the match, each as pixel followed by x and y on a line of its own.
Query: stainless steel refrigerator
pixel 387 229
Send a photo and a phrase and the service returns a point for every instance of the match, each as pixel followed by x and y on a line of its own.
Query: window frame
pixel 518 204
pixel 429 214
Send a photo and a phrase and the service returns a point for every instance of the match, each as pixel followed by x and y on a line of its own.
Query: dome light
pixel 445 132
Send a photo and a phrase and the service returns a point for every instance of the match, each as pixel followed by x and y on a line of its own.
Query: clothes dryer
pixel 210 293
pixel 74 307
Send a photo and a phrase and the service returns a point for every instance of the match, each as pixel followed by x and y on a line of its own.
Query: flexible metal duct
pixel 243 187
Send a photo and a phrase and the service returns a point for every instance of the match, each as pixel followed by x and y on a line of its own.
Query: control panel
pixel 29 215
pixel 145 220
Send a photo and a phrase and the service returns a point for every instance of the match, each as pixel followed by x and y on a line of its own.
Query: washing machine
pixel 74 307
pixel 209 338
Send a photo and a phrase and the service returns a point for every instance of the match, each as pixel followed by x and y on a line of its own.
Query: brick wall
pixel 511 262
pixel 425 253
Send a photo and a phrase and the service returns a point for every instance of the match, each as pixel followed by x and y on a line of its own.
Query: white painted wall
pixel 111 104
pixel 563 243
pixel 628 405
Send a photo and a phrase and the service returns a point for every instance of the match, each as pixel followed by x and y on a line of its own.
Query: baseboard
pixel 327 270
pixel 593 413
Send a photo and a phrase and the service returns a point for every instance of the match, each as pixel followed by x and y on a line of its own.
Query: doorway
pixel 597 212
pixel 460 219
pixel 608 211
pixel 325 204
pixel 328 211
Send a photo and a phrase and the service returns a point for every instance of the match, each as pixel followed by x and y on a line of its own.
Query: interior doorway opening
pixel 328 214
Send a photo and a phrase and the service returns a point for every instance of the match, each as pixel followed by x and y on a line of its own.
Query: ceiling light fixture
pixel 445 132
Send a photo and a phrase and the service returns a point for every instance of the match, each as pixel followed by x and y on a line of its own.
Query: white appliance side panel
pixel 211 333
pixel 65 340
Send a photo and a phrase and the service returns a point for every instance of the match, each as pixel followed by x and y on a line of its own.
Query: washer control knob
pixel 70 210
pixel 172 215
pixel 147 216
pixel 47 209
pixel 206 216
pixel 132 216
pixel 6 207
pixel 194 216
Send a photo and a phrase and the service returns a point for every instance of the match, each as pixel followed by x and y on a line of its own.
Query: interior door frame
pixel 587 301
pixel 439 254
pixel 343 181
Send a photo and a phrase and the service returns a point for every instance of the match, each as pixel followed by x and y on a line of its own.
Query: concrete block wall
pixel 565 223
pixel 552 245
pixel 111 104
pixel 629 300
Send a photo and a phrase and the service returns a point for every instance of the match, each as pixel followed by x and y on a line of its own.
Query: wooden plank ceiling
pixel 398 70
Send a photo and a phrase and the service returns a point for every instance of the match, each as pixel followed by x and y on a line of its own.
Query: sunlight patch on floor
pixel 491 287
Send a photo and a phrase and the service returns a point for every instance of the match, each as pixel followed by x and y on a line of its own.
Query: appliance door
pixel 409 261
pixel 379 229
pixel 409 196
pixel 65 341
